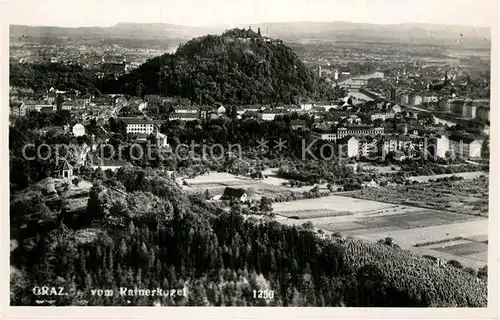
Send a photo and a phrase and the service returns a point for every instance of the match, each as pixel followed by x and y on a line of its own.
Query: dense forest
pixel 143 231
pixel 237 67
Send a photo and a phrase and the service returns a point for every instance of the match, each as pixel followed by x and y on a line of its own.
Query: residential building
pixel 395 109
pixel 430 99
pixel 324 134
pixel 187 109
pixel 392 94
pixel 483 113
pixel 295 108
pixel 32 105
pixel 359 130
pixel 349 146
pixel 111 164
pixel 269 115
pixel 253 108
pixel 352 130
pixel 138 125
pixel 404 99
pixel 298 124
pixel 306 106
pixel 469 111
pixel 137 103
pixel 378 115
pixel 188 116
pixel 444 104
pixel 466 147
pixel 354 119
pixel 18 109
pixel 161 139
pixel 221 110
pixel 399 156
pixel 416 101
pixel 65 170
pixel 67 106
pixel 48 109
pixel 78 130
pixel 367 146
pixel 397 143
pixel 154 100
pixel 55 129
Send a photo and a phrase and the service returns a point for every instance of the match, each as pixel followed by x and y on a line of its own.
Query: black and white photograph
pixel 250 153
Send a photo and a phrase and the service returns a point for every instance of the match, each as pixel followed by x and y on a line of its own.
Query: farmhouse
pixel 234 193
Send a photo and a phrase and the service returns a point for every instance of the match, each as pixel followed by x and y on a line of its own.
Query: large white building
pixel 359 130
pixel 270 115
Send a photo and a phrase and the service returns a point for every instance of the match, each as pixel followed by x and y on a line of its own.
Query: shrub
pixel 76 181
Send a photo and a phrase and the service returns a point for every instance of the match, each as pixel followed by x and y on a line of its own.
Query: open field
pixel 216 182
pixel 270 186
pixel 333 203
pixel 468 197
pixel 444 234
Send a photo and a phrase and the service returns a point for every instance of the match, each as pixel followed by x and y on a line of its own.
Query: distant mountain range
pixel 288 31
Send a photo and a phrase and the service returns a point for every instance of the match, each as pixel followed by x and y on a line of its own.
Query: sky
pixel 75 13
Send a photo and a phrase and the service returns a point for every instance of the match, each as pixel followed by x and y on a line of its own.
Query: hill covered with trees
pixel 239 66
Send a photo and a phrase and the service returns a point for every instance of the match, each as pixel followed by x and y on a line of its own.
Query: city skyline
pixel 199 13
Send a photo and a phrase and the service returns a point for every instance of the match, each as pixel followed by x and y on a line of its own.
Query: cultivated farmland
pixel 463 196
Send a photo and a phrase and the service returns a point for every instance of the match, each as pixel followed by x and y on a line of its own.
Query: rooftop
pixel 233 193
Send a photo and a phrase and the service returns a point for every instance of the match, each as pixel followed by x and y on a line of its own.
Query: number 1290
pixel 263 294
